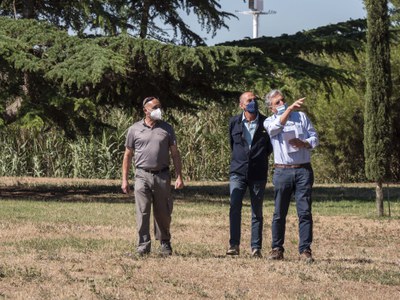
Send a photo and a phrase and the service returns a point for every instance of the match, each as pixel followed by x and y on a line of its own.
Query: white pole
pixel 255 25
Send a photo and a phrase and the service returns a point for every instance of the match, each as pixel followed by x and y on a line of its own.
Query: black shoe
pixel 233 250
pixel 142 251
pixel 166 248
pixel 276 254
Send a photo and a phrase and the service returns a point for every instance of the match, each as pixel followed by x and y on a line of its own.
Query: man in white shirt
pixel 292 137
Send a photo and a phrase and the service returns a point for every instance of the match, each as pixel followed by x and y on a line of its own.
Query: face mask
pixel 281 109
pixel 156 114
pixel 252 107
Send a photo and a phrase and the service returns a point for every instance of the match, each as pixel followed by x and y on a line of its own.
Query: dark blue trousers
pixel 238 188
pixel 286 183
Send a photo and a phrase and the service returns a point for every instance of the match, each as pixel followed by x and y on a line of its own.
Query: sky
pixel 291 16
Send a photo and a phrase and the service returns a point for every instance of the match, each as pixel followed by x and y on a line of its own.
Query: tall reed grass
pixel 50 154
pixel 202 141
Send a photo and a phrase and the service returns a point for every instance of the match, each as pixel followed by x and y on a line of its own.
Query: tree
pixel 285 57
pixel 145 13
pixel 377 118
pixel 113 17
pixel 75 79
pixel 143 18
pixel 76 15
pixel 395 108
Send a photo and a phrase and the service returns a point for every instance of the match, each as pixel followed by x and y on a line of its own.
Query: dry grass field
pixel 74 239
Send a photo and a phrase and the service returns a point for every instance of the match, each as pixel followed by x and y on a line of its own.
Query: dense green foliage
pixel 285 62
pixel 202 140
pixel 378 119
pixel 136 17
pixel 66 101
pixel 28 152
pixel 70 81
pixel 394 165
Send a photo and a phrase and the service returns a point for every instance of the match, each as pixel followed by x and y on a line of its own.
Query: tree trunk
pixel 379 198
pixel 15 10
pixel 11 112
pixel 144 21
pixel 28 10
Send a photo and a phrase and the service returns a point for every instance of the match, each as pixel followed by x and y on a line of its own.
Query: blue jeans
pixel 286 182
pixel 238 188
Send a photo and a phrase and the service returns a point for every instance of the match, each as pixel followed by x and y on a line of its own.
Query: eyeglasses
pixel 277 101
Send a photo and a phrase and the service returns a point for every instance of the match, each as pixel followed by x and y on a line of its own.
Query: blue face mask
pixel 281 109
pixel 252 107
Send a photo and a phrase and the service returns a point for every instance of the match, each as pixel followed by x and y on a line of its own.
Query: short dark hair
pixel 148 99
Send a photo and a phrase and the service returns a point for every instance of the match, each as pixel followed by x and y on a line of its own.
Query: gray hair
pixel 268 97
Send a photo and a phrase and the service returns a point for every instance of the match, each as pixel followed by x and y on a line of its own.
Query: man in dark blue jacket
pixel 250 146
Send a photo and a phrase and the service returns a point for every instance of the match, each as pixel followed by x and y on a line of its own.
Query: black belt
pixel 155 171
pixel 298 166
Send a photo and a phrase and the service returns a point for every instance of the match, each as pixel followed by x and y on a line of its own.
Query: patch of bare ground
pixel 74 239
pixel 356 257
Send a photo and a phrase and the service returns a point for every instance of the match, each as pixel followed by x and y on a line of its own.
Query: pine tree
pixel 154 19
pixel 286 56
pixel 377 120
pixel 72 79
pixel 207 11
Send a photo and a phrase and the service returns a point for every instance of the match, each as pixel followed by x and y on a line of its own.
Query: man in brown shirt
pixel 151 141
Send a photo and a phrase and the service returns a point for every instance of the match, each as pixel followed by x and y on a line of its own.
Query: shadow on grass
pixel 216 193
pixel 320 193
pixel 338 193
pixel 94 193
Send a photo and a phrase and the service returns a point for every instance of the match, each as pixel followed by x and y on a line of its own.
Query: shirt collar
pixel 245 120
pixel 155 124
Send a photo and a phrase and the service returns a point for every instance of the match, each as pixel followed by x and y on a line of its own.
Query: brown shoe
pixel 233 250
pixel 306 256
pixel 276 254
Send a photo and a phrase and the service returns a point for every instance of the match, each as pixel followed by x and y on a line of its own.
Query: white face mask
pixel 156 114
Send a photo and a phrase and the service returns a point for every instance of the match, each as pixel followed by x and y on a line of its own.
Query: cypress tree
pixel 377 121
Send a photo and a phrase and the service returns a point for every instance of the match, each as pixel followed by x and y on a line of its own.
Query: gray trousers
pixel 156 189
